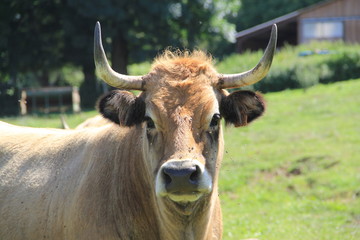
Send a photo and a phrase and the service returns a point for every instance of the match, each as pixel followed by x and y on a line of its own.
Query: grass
pixel 51 120
pixel 294 174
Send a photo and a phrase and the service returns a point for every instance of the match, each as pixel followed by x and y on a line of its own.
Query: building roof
pixel 280 20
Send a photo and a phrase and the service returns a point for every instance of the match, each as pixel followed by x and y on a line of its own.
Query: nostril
pixel 194 177
pixel 167 178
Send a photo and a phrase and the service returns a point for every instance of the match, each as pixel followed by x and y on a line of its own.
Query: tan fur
pixel 97 121
pixel 193 62
pixel 65 185
pixel 98 182
pixel 179 66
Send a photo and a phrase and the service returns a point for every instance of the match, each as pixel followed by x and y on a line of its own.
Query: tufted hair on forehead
pixel 183 63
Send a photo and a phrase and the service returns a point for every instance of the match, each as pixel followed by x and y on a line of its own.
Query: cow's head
pixel 179 111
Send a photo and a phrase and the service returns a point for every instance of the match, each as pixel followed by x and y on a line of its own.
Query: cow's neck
pixel 187 223
pixel 135 190
pixel 132 194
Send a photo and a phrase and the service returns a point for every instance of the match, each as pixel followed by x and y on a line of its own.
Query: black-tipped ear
pixel 242 107
pixel 122 107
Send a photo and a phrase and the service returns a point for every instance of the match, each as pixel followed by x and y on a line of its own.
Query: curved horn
pixel 257 73
pixel 105 72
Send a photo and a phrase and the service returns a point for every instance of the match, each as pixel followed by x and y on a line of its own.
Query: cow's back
pixel 62 184
pixel 40 172
pixel 33 163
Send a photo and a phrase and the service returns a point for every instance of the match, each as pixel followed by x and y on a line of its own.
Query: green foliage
pixel 325 62
pixel 29 36
pixel 39 38
pixel 8 99
pixel 71 75
pixel 139 68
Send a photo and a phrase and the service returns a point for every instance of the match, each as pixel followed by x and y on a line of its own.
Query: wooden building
pixel 329 20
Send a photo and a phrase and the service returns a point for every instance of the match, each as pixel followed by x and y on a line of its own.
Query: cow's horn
pixel 257 73
pixel 105 72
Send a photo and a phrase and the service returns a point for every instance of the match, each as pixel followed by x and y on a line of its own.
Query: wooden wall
pixel 347 11
pixel 352 31
pixel 339 8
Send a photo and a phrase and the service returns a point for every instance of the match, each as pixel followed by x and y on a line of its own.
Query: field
pixel 295 173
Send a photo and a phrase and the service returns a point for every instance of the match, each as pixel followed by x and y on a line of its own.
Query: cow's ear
pixel 242 107
pixel 122 107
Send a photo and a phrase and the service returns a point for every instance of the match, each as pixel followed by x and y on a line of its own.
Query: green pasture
pixel 294 174
pixel 51 120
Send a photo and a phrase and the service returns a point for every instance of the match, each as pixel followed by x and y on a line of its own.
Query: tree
pixel 30 37
pixel 132 29
pixel 30 47
pixel 41 36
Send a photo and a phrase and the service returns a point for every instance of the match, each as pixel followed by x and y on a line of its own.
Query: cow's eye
pixel 149 123
pixel 215 120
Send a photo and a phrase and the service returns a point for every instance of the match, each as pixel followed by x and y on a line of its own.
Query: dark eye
pixel 215 120
pixel 149 122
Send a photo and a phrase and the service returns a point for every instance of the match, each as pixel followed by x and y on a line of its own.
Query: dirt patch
pixel 311 164
pixel 299 167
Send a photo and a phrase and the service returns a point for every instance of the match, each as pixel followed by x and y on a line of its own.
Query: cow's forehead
pixel 182 86
pixel 186 95
pixel 195 98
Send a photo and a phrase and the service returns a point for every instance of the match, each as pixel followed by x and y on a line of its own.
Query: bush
pixel 301 66
pixel 8 100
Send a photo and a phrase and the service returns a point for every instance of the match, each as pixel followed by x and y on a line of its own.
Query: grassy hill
pixel 300 66
pixel 295 173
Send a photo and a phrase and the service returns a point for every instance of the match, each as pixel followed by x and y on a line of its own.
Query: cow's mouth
pixel 183 207
pixel 185 197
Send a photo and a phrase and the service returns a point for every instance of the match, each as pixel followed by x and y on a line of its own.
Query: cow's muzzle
pixel 183 180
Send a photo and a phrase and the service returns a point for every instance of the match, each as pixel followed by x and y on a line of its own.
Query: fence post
pixel 22 101
pixel 76 100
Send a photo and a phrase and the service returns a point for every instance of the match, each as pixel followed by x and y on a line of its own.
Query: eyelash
pixel 215 120
pixel 149 122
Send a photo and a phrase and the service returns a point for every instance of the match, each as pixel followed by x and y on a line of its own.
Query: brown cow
pixel 152 175
pixel 96 121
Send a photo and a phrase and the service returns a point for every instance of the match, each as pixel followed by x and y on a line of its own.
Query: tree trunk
pixel 88 89
pixel 119 53
pixel 44 78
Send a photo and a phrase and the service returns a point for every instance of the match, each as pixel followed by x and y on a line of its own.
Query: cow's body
pixel 68 186
pixel 153 177
pixel 85 184
pixel 64 188
pixel 96 121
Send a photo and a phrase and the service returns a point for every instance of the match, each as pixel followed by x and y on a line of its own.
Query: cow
pixel 151 174
pixel 96 121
